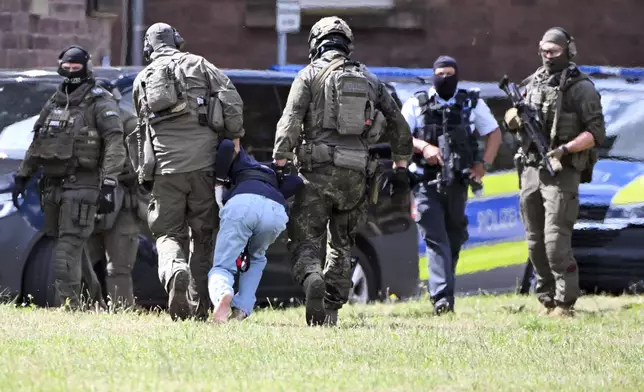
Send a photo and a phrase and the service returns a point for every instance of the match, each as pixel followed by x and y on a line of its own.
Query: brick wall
pixel 488 37
pixel 33 32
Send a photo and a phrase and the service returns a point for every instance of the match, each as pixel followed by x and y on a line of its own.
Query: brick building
pixel 488 37
pixel 33 32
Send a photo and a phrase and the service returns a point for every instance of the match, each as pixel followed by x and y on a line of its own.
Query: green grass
pixel 491 344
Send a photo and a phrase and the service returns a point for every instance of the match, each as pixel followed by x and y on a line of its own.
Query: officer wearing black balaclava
pixel 75 67
pixel 571 112
pixel 78 147
pixel 441 210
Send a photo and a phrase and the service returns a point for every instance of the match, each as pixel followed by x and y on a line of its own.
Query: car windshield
pixel 624 119
pixel 21 100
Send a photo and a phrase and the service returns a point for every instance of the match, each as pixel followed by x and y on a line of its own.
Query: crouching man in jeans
pixel 252 213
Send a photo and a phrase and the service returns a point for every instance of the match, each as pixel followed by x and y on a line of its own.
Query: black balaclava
pixel 559 63
pixel 74 79
pixel 445 86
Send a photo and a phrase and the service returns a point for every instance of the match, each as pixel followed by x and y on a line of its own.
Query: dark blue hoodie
pixel 228 166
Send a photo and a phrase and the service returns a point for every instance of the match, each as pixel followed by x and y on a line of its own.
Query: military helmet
pixel 327 26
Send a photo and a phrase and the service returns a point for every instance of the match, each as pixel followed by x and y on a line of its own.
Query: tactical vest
pixel 458 125
pixel 68 140
pixel 548 100
pixel 343 119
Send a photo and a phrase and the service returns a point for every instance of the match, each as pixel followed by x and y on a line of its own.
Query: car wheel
pixel 363 278
pixel 38 275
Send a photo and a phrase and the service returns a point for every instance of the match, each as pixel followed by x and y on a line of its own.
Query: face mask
pixel 445 86
pixel 555 64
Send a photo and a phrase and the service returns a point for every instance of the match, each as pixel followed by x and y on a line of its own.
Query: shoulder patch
pixel 109 113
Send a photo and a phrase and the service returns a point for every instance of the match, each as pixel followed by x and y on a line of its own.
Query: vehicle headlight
pixel 632 214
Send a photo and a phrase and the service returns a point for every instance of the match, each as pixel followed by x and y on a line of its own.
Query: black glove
pixel 106 199
pixel 279 172
pixel 20 183
pixel 400 180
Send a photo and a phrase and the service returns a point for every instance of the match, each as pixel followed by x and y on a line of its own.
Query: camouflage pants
pixel 69 217
pixel 333 197
pixel 182 202
pixel 549 209
pixel 117 246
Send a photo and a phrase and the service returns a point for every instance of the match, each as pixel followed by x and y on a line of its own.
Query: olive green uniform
pixel 334 194
pixel 550 205
pixel 184 153
pixel 115 237
pixel 79 141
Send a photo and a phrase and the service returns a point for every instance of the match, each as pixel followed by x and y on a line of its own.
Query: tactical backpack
pixel 164 92
pixel 347 106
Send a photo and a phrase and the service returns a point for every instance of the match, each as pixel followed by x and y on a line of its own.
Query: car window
pixel 263 105
pixel 16 138
pixel 21 100
pixel 624 118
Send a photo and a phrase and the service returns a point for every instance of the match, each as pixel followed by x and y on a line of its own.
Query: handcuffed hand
pixel 219 195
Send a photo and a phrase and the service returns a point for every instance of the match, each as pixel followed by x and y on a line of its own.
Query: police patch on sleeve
pixel 109 113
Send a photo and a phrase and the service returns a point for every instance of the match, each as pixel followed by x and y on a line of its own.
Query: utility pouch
pixel 215 114
pixel 378 125
pixel 202 111
pixel 351 159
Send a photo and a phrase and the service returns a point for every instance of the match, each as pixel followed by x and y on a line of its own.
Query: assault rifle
pixel 530 121
pixel 453 163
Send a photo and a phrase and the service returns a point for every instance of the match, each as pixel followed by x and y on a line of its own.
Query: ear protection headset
pixel 89 66
pixel 179 42
pixel 570 43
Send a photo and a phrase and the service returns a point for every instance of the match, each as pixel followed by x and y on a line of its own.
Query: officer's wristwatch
pixel 487 166
pixel 564 149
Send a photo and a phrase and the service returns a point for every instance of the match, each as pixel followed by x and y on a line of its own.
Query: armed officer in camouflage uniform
pixel 184 103
pixel 335 109
pixel 446 111
pixel 112 247
pixel 78 144
pixel 570 110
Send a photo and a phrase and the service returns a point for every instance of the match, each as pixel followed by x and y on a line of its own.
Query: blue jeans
pixel 442 223
pixel 245 219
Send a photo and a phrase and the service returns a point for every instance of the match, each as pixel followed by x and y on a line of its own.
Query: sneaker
pixel 314 289
pixel 562 312
pixel 222 308
pixel 178 304
pixel 237 315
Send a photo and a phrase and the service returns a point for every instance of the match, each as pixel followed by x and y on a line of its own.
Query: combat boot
pixel 562 312
pixel 178 304
pixel 331 318
pixel 545 311
pixel 314 290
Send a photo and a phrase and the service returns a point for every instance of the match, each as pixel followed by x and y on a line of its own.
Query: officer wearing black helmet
pixel 78 145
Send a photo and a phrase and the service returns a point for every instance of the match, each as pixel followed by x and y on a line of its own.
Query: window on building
pixel 104 7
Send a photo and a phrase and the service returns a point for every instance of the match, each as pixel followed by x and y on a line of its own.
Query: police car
pixel 607 237
pixel 385 255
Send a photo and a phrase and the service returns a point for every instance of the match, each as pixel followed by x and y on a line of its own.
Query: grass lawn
pixel 491 344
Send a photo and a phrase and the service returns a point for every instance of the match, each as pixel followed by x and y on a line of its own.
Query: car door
pixel 263 103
